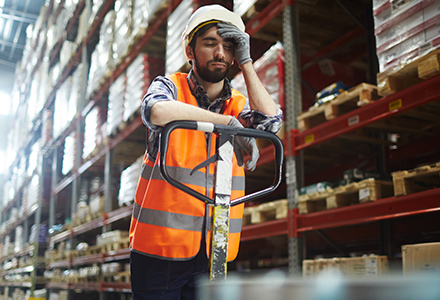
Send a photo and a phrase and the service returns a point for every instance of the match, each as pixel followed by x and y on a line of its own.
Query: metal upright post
pixel 52 204
pixel 108 185
pixel 293 107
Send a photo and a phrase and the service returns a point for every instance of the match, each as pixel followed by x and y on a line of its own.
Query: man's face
pixel 212 56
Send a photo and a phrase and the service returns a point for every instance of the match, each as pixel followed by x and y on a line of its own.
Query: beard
pixel 207 75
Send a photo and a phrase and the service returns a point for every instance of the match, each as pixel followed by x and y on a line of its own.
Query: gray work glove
pixel 247 144
pixel 242 46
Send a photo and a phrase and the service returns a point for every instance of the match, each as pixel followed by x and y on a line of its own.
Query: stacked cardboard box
pixel 405 30
pixel 365 266
pixel 421 259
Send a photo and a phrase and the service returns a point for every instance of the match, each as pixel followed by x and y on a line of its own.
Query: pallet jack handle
pixel 220 129
pixel 222 182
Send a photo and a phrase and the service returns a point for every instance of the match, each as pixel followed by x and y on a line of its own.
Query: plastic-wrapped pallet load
pixel 8 193
pixel 69 7
pixel 116 104
pixel 143 12
pixel 96 5
pixel 405 30
pixel 33 192
pixel 69 154
pixel 96 204
pixel 75 92
pixel 45 86
pixel 91 131
pixel 54 73
pixel 129 180
pixel 141 15
pixel 34 158
pixel 83 25
pixel 123 28
pixel 176 24
pixel 140 74
pixel 19 239
pixel 61 109
pixel 102 61
pixel 270 69
pixel 242 6
pixel 34 103
pixel 67 50
pixel 21 173
pixel 55 26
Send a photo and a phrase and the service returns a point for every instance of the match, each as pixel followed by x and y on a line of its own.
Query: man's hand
pixel 248 145
pixel 242 46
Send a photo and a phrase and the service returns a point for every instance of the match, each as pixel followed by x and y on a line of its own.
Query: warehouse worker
pixel 169 228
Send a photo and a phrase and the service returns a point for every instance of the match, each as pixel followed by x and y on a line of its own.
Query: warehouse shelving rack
pixel 392 208
pixel 293 227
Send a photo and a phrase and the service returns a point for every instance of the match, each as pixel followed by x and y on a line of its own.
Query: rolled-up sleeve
pixel 161 89
pixel 258 120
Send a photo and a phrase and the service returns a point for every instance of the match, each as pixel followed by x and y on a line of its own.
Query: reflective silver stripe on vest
pixel 175 220
pixel 167 219
pixel 183 175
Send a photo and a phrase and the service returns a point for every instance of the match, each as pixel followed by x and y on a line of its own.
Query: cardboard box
pixel 366 266
pixel 421 258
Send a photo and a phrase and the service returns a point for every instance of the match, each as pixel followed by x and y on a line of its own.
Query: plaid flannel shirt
pixel 163 89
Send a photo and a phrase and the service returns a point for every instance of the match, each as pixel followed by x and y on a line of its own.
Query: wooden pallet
pixel 366 190
pixel 355 97
pixel 117 277
pixel 265 212
pixel 419 179
pixel 309 203
pixel 95 249
pixel 121 244
pixel 399 78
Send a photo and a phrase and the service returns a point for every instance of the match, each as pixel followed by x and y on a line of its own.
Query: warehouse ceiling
pixel 15 17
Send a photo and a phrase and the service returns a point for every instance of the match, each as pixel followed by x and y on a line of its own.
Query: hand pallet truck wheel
pixel 222 181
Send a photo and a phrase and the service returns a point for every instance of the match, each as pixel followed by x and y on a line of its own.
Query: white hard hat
pixel 207 13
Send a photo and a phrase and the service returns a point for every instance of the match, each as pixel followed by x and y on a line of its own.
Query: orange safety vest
pixel 168 223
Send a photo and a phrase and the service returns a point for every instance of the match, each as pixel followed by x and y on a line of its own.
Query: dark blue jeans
pixel 154 279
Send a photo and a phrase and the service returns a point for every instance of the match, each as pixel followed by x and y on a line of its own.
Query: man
pixel 169 228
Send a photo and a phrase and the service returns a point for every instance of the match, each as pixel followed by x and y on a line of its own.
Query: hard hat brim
pixel 220 14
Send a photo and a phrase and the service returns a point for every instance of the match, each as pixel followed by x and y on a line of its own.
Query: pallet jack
pixel 222 181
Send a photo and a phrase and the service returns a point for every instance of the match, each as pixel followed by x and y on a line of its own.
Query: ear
pixel 189 52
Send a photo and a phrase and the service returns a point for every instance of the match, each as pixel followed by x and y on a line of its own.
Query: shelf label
pixel 371 267
pixel 364 193
pixel 353 120
pixel 309 138
pixel 395 104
